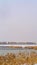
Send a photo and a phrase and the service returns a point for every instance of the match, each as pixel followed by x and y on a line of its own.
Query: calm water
pixel 5 50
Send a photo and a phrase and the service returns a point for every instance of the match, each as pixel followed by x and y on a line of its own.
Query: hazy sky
pixel 18 20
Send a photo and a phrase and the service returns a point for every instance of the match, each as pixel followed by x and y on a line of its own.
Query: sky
pixel 18 20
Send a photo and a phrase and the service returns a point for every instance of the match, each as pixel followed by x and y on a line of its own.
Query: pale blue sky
pixel 18 20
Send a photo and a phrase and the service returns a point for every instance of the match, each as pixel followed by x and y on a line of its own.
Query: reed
pixel 19 59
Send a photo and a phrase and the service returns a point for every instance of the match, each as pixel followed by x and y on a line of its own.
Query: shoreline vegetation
pixel 24 43
pixel 20 58
pixel 26 47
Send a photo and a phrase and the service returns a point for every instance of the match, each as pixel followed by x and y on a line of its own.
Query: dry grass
pixel 32 47
pixel 21 58
pixel 29 47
